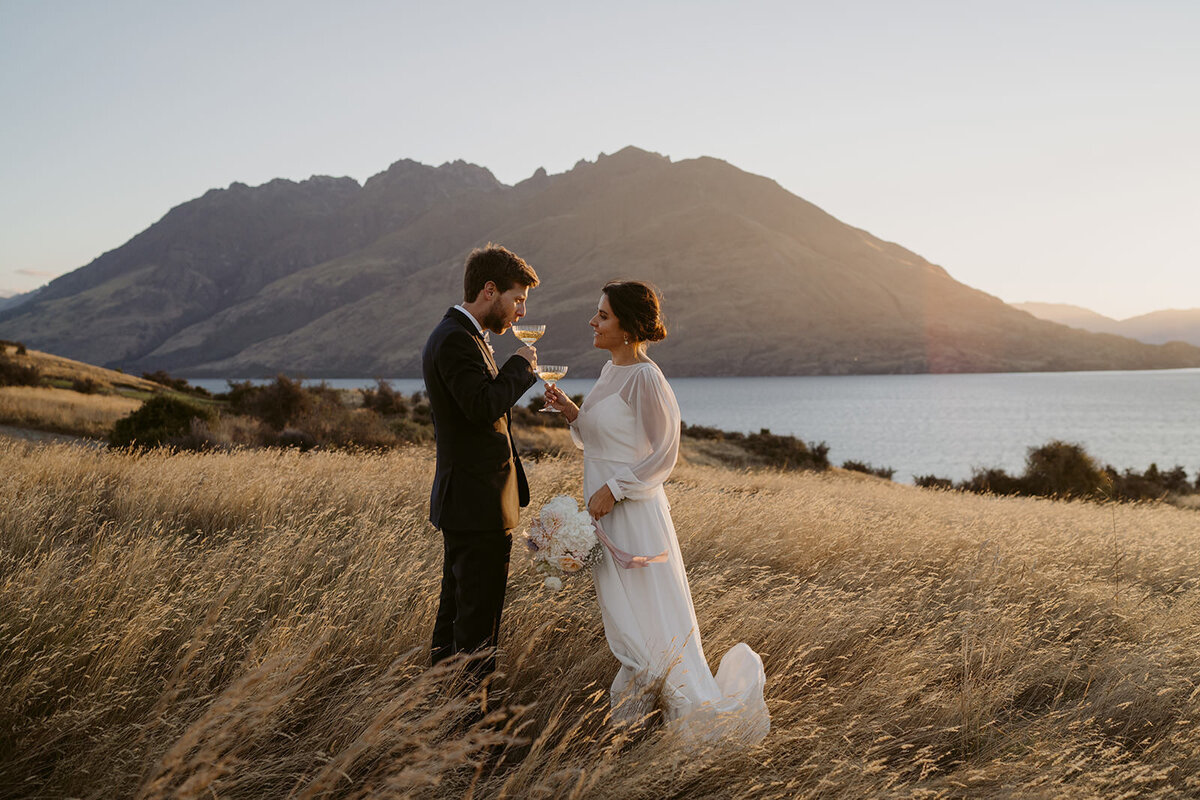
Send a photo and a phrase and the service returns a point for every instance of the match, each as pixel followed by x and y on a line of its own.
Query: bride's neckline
pixel 634 364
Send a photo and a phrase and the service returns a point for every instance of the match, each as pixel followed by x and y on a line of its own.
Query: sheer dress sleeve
pixel 653 403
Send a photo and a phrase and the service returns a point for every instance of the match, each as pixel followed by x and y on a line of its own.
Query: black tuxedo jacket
pixel 479 483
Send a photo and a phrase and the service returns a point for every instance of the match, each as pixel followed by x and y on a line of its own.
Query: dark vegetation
pixel 282 413
pixel 859 466
pixel 771 449
pixel 178 384
pixel 13 372
pixel 161 420
pixel 1066 470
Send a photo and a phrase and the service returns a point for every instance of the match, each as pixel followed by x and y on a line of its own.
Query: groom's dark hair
pixel 499 265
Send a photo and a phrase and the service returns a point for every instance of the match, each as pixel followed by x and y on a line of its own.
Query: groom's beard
pixel 493 319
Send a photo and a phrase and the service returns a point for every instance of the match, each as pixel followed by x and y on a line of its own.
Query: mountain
pixel 13 299
pixel 1157 327
pixel 328 278
pixel 1073 316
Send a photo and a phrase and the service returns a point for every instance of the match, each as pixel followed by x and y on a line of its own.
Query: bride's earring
pixel 626 340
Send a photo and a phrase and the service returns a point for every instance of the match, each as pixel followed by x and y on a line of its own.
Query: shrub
pixel 385 400
pixel 294 437
pixel 991 481
pixel 932 482
pixel 407 430
pixel 160 420
pixel 787 452
pixel 705 433
pixel 21 349
pixel 178 384
pixel 276 403
pixel 1152 484
pixel 859 466
pixel 422 413
pixel 85 385
pixel 15 374
pixel 1062 469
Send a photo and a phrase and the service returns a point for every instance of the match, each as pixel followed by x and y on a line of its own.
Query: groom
pixel 478 484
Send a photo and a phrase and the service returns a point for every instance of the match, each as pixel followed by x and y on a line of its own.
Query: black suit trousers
pixel 474 579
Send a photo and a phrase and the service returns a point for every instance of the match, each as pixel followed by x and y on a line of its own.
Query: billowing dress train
pixel 628 428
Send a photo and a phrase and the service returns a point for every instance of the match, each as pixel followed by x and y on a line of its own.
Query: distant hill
pixel 1157 327
pixel 328 278
pixel 16 299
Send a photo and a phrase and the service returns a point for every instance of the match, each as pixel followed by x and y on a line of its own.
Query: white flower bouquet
pixel 562 540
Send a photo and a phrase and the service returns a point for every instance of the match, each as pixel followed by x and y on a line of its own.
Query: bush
pixel 859 466
pixel 705 433
pixel 21 349
pixel 407 430
pixel 1062 469
pixel 161 420
pixel 276 403
pixel 422 413
pixel 1149 485
pixel 932 482
pixel 787 452
pixel 385 400
pixel 178 384
pixel 294 437
pixel 15 374
pixel 992 481
pixel 85 385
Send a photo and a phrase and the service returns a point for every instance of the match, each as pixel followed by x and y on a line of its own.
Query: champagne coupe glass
pixel 528 334
pixel 551 374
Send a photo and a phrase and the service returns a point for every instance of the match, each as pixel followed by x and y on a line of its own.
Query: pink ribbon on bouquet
pixel 623 559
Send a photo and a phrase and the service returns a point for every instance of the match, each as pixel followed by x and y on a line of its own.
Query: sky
pixel 1043 151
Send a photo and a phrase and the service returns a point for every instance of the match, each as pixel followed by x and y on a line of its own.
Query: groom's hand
pixel 602 502
pixel 530 355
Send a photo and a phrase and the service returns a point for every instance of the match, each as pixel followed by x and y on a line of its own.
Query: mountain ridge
pixel 1156 327
pixel 329 278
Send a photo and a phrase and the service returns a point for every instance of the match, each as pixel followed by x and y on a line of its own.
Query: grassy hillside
pixel 71 397
pixel 62 372
pixel 254 624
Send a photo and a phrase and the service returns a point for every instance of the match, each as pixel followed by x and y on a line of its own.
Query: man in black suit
pixel 479 485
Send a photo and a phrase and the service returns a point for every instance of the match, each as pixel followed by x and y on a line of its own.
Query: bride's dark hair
pixel 636 306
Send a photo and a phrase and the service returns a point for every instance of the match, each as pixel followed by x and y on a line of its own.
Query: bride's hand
pixel 602 502
pixel 556 398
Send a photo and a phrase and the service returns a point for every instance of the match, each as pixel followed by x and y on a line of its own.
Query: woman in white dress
pixel 629 429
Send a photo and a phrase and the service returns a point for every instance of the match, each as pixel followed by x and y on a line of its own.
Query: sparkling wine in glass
pixel 528 334
pixel 551 374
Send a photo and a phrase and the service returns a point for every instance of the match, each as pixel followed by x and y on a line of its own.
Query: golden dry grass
pixel 59 368
pixel 63 410
pixel 254 624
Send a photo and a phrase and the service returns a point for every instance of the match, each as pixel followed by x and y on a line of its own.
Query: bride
pixel 628 428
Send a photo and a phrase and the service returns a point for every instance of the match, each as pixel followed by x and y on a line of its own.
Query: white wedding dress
pixel 628 428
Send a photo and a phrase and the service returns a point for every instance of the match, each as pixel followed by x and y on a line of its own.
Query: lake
pixel 945 424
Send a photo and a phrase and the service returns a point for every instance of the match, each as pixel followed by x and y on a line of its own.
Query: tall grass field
pixel 255 624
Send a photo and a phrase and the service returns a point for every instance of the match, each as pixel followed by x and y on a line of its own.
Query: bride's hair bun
pixel 637 308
